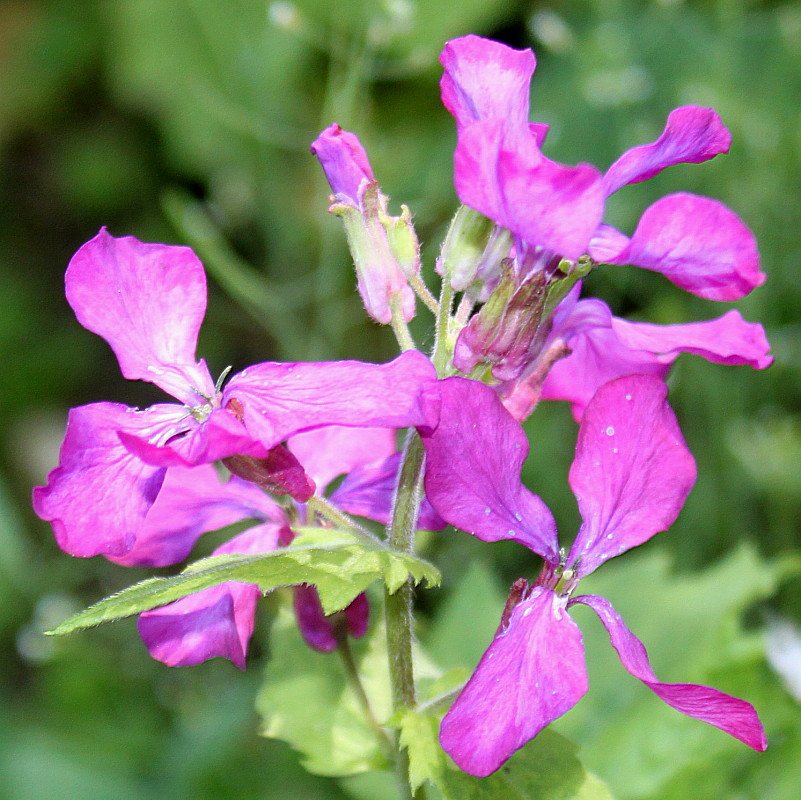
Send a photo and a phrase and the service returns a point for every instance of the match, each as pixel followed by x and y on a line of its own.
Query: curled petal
pixel 98 496
pixel 732 715
pixel 328 452
pixel 502 174
pixel 147 301
pixel 691 135
pixel 280 400
pixel 369 490
pixel 698 244
pixel 632 471
pixel 473 460
pixel 214 622
pixel 486 80
pixel 532 673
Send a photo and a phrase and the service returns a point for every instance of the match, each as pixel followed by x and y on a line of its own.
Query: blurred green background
pixel 189 121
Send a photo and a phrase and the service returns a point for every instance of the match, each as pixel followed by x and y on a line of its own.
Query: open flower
pixel 148 301
pixel 631 475
pixel 219 621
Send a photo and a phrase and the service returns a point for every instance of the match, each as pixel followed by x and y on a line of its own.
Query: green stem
pixel 440 355
pixel 398 606
pixel 326 510
pixel 352 674
pixel 399 325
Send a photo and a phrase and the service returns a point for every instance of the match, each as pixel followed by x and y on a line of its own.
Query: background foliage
pixel 189 121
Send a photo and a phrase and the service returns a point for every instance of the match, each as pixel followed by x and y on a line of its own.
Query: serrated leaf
pixel 545 769
pixel 337 563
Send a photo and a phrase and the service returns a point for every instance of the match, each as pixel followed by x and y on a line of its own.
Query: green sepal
pixel 338 563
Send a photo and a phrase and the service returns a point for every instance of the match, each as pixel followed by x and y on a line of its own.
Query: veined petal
pixel 726 340
pixel 698 244
pixel 98 496
pixel 280 400
pixel 485 80
pixel 732 715
pixel 532 673
pixel 214 622
pixel 192 502
pixel 691 135
pixel 473 460
pixel 335 450
pixel 632 471
pixel 369 491
pixel 344 162
pixel 147 301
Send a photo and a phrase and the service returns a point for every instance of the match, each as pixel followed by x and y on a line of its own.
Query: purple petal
pixel 98 496
pixel 190 503
pixel 532 673
pixel 280 400
pixel 473 460
pixel 726 340
pixel 732 715
pixel 317 629
pixel 691 135
pixel 486 80
pixel 344 162
pixel 221 435
pixel 328 452
pixel 632 471
pixel 214 622
pixel 503 175
pixel 607 244
pixel 698 244
pixel 369 490
pixel 147 301
pixel 279 472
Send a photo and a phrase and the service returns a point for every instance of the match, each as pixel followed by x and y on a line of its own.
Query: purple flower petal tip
pixel 344 162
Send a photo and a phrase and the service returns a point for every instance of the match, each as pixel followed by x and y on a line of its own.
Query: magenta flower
pixel 219 621
pixel 555 211
pixel 148 301
pixel 592 347
pixel 631 475
pixel 384 248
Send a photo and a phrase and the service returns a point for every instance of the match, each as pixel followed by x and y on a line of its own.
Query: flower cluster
pixel 141 486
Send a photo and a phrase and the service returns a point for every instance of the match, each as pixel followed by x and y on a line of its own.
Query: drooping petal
pixel 632 471
pixel 317 629
pixel 344 162
pixel 335 450
pixel 532 673
pixel 280 400
pixel 503 175
pixel 698 244
pixel 147 301
pixel 473 460
pixel 726 340
pixel 486 80
pixel 691 135
pixel 214 622
pixel 192 502
pixel 732 715
pixel 98 496
pixel 369 490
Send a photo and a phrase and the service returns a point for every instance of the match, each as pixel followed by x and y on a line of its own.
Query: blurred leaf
pixel 337 563
pixel 305 700
pixel 545 769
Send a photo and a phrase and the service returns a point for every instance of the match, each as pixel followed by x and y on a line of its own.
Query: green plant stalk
pixel 398 606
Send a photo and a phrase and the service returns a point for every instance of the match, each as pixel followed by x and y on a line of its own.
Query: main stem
pixel 398 606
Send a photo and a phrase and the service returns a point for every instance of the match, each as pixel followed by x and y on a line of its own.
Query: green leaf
pixel 545 769
pixel 306 701
pixel 339 564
